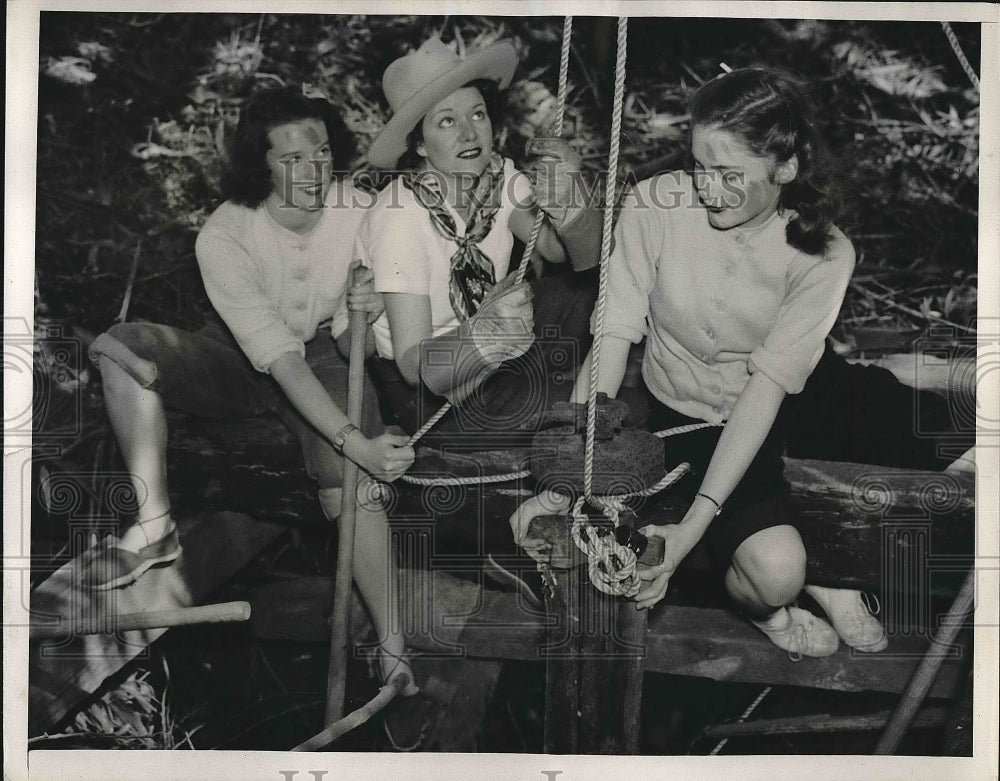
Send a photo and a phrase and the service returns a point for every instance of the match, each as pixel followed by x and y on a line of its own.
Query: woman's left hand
pixel 361 295
pixel 678 542
pixel 556 178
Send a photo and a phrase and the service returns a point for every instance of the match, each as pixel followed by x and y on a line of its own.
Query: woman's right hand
pixel 386 457
pixel 548 502
pixel 503 328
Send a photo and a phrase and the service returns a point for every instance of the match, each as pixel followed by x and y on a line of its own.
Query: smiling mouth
pixel 470 154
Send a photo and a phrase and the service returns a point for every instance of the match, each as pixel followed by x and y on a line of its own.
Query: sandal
pixel 408 718
pixel 115 567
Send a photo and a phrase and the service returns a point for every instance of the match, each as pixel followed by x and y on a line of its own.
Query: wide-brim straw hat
pixel 414 84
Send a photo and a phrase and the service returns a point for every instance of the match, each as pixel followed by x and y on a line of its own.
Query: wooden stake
pixel 339 635
pixel 925 674
pixel 224 612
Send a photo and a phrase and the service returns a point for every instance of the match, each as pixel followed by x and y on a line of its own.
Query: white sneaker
pixel 802 635
pixel 851 618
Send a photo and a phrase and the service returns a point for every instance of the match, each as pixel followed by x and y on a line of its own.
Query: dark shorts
pixel 206 374
pixel 846 412
pixel 504 411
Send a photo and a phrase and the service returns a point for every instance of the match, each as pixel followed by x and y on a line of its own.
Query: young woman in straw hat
pixel 439 242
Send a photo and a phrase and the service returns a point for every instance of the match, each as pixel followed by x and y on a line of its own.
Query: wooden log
pixel 64 672
pixel 864 527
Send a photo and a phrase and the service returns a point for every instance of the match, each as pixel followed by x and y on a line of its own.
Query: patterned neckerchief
pixel 471 272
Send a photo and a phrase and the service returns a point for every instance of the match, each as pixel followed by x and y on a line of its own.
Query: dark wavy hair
pixel 492 97
pixel 770 112
pixel 247 179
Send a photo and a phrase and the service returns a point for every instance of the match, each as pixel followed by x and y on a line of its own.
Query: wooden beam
pixel 455 618
pixel 64 672
pixel 820 722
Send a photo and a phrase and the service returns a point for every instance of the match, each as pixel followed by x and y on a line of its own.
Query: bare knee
pixel 773 561
pixel 117 382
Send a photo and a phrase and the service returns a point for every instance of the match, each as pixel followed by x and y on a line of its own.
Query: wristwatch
pixel 340 438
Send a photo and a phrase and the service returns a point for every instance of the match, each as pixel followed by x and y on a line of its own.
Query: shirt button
pixel 715 389
pixel 710 334
pixel 719 410
pixel 301 306
pixel 740 239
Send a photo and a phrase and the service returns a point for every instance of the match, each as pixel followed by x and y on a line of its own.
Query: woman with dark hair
pixel 734 273
pixel 457 325
pixel 275 260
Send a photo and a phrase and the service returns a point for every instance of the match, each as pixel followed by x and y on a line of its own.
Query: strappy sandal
pixel 407 720
pixel 116 567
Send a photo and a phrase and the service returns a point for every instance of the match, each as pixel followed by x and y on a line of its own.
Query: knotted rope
pixel 603 552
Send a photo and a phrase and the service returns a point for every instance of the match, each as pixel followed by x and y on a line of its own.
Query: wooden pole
pixel 925 674
pixel 224 612
pixel 339 635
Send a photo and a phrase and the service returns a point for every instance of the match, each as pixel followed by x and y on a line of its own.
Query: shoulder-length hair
pixel 247 179
pixel 770 112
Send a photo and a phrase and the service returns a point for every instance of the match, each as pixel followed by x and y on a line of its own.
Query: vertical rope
pixel 529 247
pixel 962 60
pixel 609 202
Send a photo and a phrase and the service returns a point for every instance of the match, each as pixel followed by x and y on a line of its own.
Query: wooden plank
pixel 474 682
pixel 563 674
pixel 63 672
pixel 466 621
pixel 820 722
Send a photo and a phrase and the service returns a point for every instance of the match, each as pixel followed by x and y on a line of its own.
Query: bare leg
pixel 768 571
pixel 376 577
pixel 767 574
pixel 140 426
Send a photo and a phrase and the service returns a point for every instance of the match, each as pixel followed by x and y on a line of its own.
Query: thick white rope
pixel 473 480
pixel 529 247
pixel 609 201
pixel 746 714
pixel 962 59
